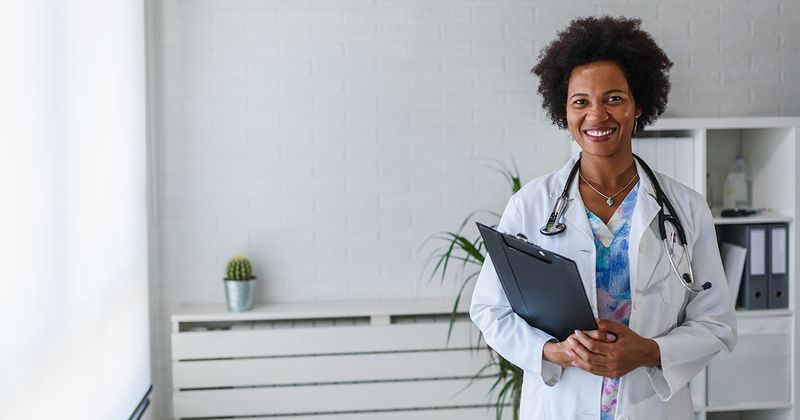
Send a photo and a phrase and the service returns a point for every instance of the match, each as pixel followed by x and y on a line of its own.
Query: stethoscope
pixel 554 227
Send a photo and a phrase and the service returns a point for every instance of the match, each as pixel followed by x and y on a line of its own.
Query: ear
pixel 638 112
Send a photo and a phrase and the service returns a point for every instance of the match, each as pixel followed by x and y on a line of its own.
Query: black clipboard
pixel 543 288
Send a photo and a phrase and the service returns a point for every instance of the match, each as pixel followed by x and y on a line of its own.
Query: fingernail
pixel 576 331
pixel 611 337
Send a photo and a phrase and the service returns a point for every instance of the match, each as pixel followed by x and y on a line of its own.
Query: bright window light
pixel 73 223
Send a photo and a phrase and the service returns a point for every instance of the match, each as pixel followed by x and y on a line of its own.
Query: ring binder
pixel 764 280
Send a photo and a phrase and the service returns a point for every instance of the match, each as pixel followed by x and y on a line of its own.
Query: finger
pixel 592 345
pixel 602 336
pixel 573 348
pixel 577 349
pixel 561 353
pixel 580 364
pixel 587 366
pixel 573 343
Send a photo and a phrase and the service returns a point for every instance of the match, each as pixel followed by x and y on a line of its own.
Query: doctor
pixel 664 310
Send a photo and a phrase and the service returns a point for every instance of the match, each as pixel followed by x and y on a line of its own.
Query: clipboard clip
pixel 534 250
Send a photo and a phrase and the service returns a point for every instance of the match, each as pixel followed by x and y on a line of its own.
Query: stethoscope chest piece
pixel 553 226
pixel 554 229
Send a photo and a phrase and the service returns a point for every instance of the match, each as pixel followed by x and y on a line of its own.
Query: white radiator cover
pixel 337 360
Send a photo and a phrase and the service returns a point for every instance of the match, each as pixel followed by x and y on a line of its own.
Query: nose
pixel 597 112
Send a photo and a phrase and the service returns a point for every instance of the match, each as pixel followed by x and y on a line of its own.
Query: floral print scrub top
pixel 613 280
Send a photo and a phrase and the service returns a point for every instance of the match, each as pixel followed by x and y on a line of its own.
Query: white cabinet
pixel 757 372
pixel 360 360
pixel 758 379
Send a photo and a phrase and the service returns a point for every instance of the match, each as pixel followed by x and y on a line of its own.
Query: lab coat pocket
pixel 664 282
pixel 660 282
pixel 671 291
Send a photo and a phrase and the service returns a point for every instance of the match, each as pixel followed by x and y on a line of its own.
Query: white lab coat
pixel 689 329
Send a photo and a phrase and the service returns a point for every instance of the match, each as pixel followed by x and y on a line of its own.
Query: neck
pixel 609 172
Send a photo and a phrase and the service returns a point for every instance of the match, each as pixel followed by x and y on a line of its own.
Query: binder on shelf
pixel 733 259
pixel 764 278
pixel 779 255
pixel 753 289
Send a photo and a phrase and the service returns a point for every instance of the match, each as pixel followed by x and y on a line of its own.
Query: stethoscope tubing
pixel 555 227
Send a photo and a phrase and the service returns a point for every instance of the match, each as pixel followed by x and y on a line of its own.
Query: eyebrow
pixel 604 93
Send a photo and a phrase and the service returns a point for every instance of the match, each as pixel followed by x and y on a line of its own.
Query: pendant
pixel 610 201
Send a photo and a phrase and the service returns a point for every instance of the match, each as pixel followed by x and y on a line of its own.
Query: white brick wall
pixel 326 139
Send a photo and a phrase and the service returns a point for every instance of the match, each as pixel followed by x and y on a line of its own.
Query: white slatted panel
pixel 476 413
pixel 331 398
pixel 303 369
pixel 320 340
pixel 321 369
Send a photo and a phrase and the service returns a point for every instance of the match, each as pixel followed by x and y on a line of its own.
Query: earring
pixel 635 125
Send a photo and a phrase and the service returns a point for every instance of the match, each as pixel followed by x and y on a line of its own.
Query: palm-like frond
pixel 458 248
pixel 454 312
pixel 511 176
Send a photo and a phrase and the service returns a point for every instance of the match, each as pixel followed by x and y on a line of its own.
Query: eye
pixel 580 102
pixel 614 99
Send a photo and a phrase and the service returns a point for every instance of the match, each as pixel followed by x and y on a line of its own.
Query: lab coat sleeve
pixel 505 331
pixel 710 322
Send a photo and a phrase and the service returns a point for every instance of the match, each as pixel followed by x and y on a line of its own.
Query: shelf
pixel 748 407
pixel 311 310
pixel 763 217
pixel 731 123
pixel 762 313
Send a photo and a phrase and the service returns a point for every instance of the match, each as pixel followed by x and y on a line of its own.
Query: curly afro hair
pixel 606 38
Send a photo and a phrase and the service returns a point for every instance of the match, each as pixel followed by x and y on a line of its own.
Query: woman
pixel 603 79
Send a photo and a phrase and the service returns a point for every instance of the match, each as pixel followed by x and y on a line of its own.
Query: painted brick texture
pixel 326 139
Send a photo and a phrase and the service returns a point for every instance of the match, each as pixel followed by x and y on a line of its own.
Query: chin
pixel 602 149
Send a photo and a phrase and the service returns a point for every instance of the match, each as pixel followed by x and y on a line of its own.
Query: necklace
pixel 609 198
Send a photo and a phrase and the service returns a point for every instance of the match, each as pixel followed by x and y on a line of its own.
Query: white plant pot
pixel 239 294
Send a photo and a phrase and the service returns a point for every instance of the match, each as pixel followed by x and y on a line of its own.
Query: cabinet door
pixel 758 370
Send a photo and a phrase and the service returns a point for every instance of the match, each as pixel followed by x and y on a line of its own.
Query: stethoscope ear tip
pixel 551 230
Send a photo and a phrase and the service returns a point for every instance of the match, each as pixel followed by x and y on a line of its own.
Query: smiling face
pixel 600 109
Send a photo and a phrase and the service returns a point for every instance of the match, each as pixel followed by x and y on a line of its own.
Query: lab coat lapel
pixel 575 213
pixel 642 242
pixel 579 241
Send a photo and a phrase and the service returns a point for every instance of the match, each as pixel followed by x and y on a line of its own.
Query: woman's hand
pixel 560 353
pixel 557 353
pixel 611 359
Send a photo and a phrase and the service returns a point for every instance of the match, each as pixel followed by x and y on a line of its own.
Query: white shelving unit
pixel 770 146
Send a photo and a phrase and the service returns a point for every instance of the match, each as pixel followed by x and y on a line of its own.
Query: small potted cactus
pixel 239 284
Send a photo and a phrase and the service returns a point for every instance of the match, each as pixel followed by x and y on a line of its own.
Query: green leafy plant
pixel 239 268
pixel 468 255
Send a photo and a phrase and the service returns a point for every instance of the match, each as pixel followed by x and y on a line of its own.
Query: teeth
pixel 598 133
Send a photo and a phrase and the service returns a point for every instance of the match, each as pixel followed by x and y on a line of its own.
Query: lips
pixel 599 133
